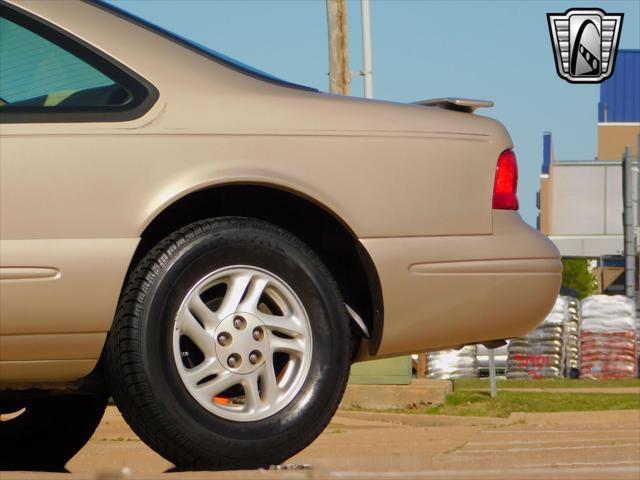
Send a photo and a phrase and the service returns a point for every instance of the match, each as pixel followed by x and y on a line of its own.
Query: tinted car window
pixel 35 72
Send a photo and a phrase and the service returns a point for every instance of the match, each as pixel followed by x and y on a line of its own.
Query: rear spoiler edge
pixel 468 105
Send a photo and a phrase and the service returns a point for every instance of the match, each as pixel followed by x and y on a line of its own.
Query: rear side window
pixel 36 72
pixel 48 75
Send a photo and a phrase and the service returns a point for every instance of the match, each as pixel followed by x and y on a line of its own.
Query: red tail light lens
pixel 505 187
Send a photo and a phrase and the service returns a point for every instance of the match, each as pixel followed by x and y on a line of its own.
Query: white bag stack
pixel 571 338
pixel 541 354
pixel 608 337
pixel 452 364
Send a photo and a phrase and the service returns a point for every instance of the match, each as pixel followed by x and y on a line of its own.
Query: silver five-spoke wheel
pixel 231 347
pixel 242 343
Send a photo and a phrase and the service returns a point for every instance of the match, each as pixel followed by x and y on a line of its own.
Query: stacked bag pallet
pixel 453 364
pixel 541 353
pixel 608 337
pixel 571 338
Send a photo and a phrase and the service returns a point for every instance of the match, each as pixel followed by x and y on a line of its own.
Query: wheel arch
pixel 311 221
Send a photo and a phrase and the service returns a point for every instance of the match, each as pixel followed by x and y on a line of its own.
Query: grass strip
pixel 482 383
pixel 480 404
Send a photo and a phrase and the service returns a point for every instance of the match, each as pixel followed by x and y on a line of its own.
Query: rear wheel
pixel 231 347
pixel 44 433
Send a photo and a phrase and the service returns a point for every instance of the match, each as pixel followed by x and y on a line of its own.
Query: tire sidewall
pixel 180 271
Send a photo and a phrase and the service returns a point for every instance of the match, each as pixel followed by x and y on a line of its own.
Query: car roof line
pixel 196 47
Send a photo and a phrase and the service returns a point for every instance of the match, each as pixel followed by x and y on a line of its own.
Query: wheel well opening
pixel 333 242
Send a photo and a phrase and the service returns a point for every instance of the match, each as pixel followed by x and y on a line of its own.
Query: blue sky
pixel 497 50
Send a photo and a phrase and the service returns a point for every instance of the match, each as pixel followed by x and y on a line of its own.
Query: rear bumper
pixel 447 291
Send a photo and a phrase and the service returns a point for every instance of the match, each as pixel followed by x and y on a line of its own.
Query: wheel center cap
pixel 242 344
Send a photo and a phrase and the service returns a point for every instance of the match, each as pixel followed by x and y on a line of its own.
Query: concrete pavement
pixel 360 445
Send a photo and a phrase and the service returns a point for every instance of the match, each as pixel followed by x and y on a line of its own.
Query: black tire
pixel 49 432
pixel 144 378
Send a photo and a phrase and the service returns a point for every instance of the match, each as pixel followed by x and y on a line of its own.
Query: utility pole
pixel 339 74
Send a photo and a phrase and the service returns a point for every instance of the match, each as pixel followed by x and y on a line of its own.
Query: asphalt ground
pixel 361 445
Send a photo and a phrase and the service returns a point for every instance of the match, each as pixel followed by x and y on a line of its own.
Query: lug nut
pixel 240 323
pixel 254 357
pixel 234 361
pixel 224 339
pixel 257 334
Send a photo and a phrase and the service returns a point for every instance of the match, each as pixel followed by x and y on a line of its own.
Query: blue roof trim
pixel 619 94
pixel 546 153
pixel 611 262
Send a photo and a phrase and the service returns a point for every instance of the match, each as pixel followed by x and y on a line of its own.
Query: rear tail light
pixel 505 186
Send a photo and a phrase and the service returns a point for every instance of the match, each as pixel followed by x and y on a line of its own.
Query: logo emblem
pixel 585 42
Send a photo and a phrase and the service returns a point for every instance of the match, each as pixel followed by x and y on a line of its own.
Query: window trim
pixel 143 92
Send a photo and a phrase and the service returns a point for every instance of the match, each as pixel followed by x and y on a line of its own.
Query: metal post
pixel 636 194
pixel 492 372
pixel 601 272
pixel 365 14
pixel 629 233
pixel 636 219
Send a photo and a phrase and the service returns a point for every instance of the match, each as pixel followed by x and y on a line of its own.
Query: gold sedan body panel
pixel 413 184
